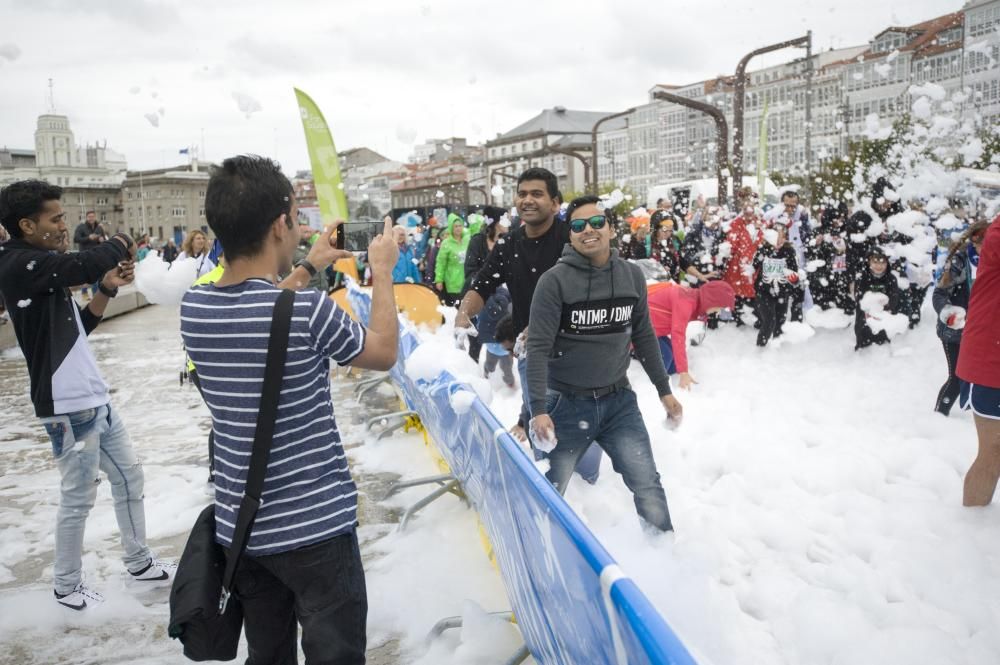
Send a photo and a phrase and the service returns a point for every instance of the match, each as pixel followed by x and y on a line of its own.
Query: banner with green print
pixel 323 159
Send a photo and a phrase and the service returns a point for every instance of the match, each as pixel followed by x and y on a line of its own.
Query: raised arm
pixel 483 285
pixel 46 271
pixel 382 336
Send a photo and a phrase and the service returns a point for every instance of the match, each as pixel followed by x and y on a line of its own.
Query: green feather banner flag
pixel 323 159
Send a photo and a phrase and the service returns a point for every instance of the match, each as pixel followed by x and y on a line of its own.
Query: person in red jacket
pixel 671 308
pixel 744 240
pixel 979 367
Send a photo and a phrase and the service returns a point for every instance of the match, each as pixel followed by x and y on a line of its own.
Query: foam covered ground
pixel 816 498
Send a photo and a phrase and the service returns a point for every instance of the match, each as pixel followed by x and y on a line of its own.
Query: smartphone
pixel 358 235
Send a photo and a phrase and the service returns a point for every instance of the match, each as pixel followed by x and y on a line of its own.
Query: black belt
pixel 588 393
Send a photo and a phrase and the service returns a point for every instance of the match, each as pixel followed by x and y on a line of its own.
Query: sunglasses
pixel 596 222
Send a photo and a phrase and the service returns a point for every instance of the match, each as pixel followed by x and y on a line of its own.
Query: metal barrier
pixel 572 602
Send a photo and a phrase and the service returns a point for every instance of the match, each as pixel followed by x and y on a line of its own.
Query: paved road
pixel 141 357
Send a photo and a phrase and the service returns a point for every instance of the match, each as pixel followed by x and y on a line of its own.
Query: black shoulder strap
pixel 277 351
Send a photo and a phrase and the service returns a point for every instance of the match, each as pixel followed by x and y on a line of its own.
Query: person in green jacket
pixel 449 273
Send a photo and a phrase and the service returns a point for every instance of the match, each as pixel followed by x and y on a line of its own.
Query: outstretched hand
pixel 120 275
pixel 675 412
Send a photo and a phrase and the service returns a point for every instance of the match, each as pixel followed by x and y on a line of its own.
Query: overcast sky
pixel 386 74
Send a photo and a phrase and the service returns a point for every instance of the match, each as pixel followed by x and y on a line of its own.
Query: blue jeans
pixel 667 351
pixel 82 443
pixel 615 424
pixel 589 466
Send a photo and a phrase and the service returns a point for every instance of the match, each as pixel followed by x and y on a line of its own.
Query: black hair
pixel 89 212
pixel 659 201
pixel 25 200
pixel 545 175
pixel 493 215
pixel 244 197
pixel 505 330
pixel 494 212
pixel 789 192
pixel 878 189
pixel 579 202
pixel 833 213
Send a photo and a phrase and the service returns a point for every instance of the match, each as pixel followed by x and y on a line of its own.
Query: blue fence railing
pixel 572 602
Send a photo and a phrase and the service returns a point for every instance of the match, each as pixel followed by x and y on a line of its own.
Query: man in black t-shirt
pixel 519 260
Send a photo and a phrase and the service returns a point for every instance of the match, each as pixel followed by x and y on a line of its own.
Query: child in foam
pixel 951 301
pixel 776 276
pixel 876 279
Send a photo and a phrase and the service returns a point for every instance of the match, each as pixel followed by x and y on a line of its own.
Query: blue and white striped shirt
pixel 308 495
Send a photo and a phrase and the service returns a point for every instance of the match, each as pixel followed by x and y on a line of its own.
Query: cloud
pixel 147 14
pixel 268 56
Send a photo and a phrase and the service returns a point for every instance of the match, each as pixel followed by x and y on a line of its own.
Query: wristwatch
pixel 111 293
pixel 128 240
pixel 310 268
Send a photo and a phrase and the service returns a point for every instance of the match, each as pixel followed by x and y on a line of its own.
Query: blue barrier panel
pixel 572 602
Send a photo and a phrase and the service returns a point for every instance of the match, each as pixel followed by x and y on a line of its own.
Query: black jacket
pixel 771 265
pixel 519 261
pixel 886 283
pixel 634 249
pixel 694 248
pixel 81 236
pixel 669 256
pixel 835 262
pixel 475 256
pixel 956 293
pixel 51 329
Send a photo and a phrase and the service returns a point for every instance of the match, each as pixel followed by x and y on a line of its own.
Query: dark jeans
pixel 949 391
pixel 914 298
pixel 322 586
pixel 193 378
pixel 475 346
pixel 834 293
pixel 615 424
pixel 743 307
pixel 667 353
pixel 798 298
pixel 771 311
pixel 589 466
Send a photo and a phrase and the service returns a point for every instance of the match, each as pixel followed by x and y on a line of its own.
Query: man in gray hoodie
pixel 586 312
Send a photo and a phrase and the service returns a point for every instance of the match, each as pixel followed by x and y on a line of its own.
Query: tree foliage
pixel 629 203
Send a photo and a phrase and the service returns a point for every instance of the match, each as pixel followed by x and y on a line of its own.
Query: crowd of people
pixel 568 289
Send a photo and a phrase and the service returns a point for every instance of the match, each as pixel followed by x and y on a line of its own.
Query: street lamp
pixel 594 181
pixel 739 94
pixel 721 133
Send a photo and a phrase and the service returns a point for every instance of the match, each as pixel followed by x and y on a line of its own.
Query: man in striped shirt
pixel 302 560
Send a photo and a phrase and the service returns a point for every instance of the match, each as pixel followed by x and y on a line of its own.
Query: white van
pixel 680 194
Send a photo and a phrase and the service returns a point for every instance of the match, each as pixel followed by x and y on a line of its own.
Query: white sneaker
pixel 156 574
pixel 79 598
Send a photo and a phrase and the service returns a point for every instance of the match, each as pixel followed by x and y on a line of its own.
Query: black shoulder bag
pixel 203 615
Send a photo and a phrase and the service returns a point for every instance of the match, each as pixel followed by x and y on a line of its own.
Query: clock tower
pixel 54 142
